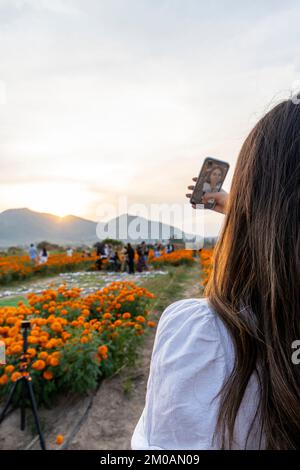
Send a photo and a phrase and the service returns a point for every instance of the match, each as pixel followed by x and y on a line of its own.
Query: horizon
pixel 207 235
pixel 99 101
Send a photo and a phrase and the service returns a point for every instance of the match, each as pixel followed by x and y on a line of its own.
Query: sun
pixel 57 198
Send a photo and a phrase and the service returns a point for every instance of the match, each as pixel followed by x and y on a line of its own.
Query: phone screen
pixel 210 180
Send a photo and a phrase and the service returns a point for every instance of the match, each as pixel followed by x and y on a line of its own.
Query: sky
pixel 106 99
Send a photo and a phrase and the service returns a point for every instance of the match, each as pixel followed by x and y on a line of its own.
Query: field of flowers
pixel 18 268
pixel 74 340
pixel 13 268
pixel 177 258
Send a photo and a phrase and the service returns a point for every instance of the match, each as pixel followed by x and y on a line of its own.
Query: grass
pixel 13 301
pixel 172 287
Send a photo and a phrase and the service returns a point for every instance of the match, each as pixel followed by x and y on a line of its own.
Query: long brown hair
pixel 257 267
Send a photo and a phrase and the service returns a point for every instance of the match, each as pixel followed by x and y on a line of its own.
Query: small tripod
pixel 26 382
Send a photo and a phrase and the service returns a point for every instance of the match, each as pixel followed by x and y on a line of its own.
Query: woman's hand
pixel 220 197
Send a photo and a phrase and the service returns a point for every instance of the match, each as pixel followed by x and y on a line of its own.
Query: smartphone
pixel 210 179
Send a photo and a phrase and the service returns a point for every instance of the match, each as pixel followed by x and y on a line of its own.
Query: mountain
pixel 20 227
pixel 24 226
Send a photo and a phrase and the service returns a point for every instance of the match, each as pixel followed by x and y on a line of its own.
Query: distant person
pixel 113 259
pixel 141 265
pixel 43 256
pixel 157 250
pixel 102 255
pixel 69 252
pixel 170 248
pixel 116 261
pixel 130 258
pixel 146 254
pixel 123 259
pixel 33 253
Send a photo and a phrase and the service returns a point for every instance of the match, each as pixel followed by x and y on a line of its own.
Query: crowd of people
pixel 119 258
pixel 123 259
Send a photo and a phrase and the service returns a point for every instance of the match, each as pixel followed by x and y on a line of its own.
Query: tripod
pixel 26 383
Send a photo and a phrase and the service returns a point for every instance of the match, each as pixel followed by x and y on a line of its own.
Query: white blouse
pixel 192 356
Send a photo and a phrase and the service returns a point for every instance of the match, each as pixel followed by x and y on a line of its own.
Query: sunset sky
pixel 101 99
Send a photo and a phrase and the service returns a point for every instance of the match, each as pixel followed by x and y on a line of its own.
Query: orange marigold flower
pixel 126 315
pixel 9 369
pixel 3 379
pixel 16 349
pixel 39 365
pixel 54 361
pixel 32 339
pixel 56 326
pixel 43 355
pixel 118 323
pixel 15 376
pixel 151 324
pixel 59 439
pixel 31 352
pixel 102 350
pixel 107 315
pixel 140 319
pixel 56 354
pixel 48 375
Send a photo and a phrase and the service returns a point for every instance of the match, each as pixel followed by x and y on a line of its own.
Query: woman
pixel 43 256
pixel 214 180
pixel 221 373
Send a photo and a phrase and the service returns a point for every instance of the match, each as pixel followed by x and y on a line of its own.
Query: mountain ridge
pixel 22 226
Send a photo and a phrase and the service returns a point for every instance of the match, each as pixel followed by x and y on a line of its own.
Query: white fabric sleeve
pixel 187 370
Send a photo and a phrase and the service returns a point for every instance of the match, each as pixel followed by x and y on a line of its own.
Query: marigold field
pixel 13 268
pixel 74 340
pixel 177 258
pixel 17 268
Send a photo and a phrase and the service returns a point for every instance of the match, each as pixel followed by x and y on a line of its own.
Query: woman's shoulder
pixel 195 311
pixel 193 325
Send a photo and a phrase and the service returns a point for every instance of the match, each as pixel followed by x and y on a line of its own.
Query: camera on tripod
pixel 27 390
